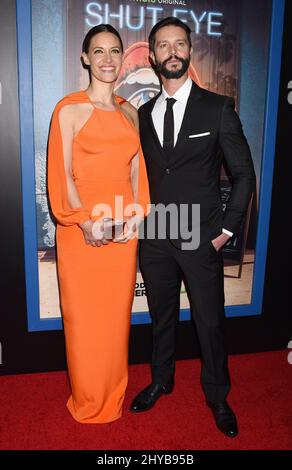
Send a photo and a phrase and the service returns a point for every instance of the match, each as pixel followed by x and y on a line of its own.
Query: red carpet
pixel 34 416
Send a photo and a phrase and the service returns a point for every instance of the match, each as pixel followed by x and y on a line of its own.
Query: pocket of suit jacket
pixel 202 134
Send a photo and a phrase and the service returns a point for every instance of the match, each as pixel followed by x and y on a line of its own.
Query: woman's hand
pixel 93 233
pixel 130 229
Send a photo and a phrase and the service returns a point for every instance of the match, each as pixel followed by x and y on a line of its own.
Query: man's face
pixel 172 52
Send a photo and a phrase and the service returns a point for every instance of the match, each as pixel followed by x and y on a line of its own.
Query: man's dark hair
pixel 169 21
pixel 101 28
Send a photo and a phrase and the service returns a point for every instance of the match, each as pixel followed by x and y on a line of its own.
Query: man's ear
pixel 152 57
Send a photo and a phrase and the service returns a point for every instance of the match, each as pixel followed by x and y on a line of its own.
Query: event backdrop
pixel 231 56
pixel 23 349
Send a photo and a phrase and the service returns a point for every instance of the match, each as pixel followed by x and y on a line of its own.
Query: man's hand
pixel 130 229
pixel 220 241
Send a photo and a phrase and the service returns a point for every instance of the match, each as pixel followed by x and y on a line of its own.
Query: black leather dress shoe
pixel 225 418
pixel 146 399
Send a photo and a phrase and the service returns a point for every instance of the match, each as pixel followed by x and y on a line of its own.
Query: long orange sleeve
pixel 57 185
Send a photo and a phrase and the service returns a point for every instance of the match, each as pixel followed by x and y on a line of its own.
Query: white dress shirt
pixel 181 96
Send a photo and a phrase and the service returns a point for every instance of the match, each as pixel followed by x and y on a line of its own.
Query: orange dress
pixel 96 284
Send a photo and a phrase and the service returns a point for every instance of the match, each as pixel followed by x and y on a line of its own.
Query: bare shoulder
pixel 131 112
pixel 67 113
pixel 73 116
pixel 71 111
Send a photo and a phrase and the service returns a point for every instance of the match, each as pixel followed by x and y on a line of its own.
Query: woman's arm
pixel 66 119
pixel 67 126
pixel 132 115
pixel 133 222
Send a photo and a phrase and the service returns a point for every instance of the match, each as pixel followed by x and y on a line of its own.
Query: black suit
pixel 191 175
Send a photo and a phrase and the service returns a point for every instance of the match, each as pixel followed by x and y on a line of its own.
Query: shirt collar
pixel 181 95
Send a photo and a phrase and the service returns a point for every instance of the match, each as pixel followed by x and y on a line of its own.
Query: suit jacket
pixel 211 130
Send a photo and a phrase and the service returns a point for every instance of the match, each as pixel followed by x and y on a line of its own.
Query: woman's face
pixel 104 57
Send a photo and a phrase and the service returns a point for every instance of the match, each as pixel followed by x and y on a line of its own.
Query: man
pixel 185 130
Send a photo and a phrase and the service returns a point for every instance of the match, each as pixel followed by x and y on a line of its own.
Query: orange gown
pixel 96 284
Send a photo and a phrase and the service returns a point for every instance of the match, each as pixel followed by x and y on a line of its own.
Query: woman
pixel 94 156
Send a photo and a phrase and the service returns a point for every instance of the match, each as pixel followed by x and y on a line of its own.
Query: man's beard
pixel 162 70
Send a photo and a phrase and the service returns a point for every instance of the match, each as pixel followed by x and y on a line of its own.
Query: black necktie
pixel 168 127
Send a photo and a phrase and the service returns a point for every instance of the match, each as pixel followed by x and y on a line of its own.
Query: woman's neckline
pixel 101 109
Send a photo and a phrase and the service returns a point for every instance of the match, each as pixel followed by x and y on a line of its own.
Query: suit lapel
pixel 190 116
pixel 154 133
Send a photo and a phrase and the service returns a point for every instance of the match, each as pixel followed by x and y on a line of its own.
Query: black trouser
pixel 163 267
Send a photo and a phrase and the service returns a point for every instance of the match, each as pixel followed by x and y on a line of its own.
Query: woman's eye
pixel 115 51
pixel 98 51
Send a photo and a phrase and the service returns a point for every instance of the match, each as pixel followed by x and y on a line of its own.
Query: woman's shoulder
pixel 129 109
pixel 71 100
pixel 126 104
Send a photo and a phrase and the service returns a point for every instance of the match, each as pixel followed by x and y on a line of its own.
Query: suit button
pixel 167 171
